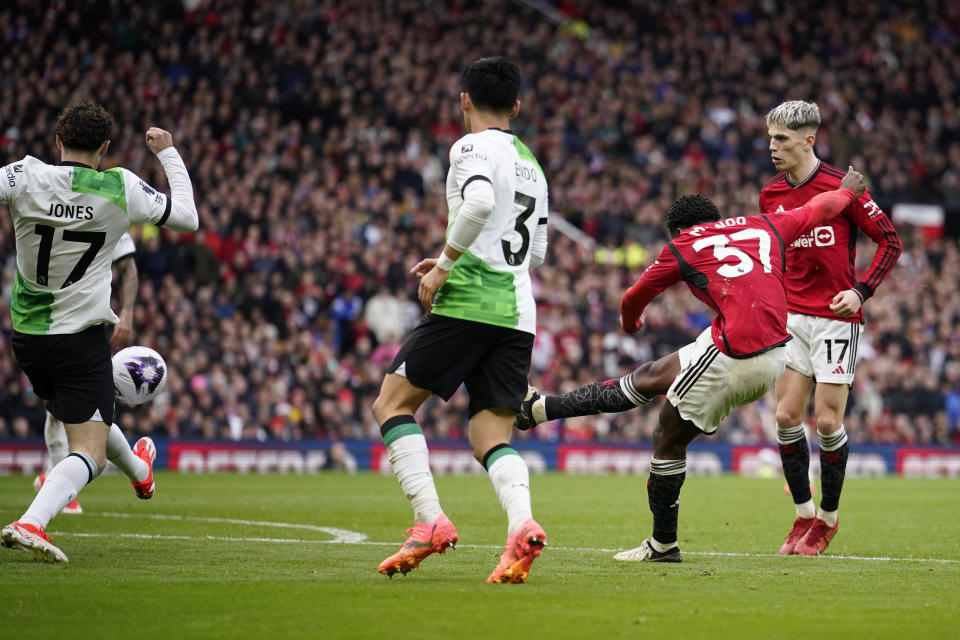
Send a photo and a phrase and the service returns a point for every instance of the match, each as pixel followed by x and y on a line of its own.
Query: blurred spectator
pixel 318 134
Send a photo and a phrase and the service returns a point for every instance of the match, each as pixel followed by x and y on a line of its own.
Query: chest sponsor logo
pixel 823 236
pixel 818 237
pixel 467 148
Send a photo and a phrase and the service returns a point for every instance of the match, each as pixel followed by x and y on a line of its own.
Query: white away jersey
pixel 490 282
pixel 125 247
pixel 68 220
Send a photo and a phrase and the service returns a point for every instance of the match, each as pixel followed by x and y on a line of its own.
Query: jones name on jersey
pixel 68 220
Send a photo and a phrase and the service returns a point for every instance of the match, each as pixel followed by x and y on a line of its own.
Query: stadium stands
pixel 317 138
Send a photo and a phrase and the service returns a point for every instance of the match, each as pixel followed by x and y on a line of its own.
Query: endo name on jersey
pixel 68 219
pixel 490 282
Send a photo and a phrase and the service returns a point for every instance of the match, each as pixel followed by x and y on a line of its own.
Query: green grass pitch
pixel 244 556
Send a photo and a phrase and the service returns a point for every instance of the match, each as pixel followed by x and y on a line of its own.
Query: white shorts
pixel 823 348
pixel 710 384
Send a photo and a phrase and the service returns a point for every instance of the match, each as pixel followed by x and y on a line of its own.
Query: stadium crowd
pixel 317 135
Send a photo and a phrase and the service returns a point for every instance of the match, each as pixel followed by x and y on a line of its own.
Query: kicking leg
pixel 136 463
pixel 609 396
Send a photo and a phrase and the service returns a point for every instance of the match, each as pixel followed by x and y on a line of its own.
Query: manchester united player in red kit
pixel 736 267
pixel 824 300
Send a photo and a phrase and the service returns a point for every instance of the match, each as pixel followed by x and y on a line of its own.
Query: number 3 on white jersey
pixel 721 251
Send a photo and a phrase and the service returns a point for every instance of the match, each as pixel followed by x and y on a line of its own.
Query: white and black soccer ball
pixel 139 374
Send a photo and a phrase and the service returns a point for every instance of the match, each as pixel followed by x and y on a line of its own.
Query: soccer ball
pixel 139 374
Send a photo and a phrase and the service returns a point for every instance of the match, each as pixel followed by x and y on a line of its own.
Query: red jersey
pixel 736 267
pixel 820 262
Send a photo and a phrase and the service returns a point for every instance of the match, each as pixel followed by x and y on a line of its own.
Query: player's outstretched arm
pixel 183 210
pixel 661 274
pixel 824 206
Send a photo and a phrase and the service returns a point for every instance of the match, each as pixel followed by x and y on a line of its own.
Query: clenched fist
pixel 158 139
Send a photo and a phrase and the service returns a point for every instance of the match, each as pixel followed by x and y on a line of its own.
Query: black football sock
pixel 795 457
pixel 663 494
pixel 609 396
pixel 834 450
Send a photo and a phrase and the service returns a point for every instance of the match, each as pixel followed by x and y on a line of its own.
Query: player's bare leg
pixel 668 470
pixel 793 395
pixel 829 403
pixel 432 531
pixel 490 431
pixel 85 462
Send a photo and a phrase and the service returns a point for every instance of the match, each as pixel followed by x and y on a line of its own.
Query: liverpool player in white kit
pixel 824 301
pixel 68 219
pixel 133 463
pixel 480 324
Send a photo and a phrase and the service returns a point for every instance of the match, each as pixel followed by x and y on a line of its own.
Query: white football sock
pixel 806 509
pixel 55 435
pixel 511 480
pixel 539 409
pixel 833 441
pixel 830 517
pixel 62 485
pixel 120 454
pixel 659 547
pixel 410 460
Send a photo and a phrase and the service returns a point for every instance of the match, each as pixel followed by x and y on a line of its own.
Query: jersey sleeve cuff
pixel 444 262
pixel 863 291
pixel 166 212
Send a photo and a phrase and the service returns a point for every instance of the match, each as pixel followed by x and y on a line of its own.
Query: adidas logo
pixel 839 369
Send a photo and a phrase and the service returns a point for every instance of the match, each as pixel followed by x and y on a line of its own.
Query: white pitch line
pixel 340 536
pixel 151 536
pixel 714 554
pixel 345 536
